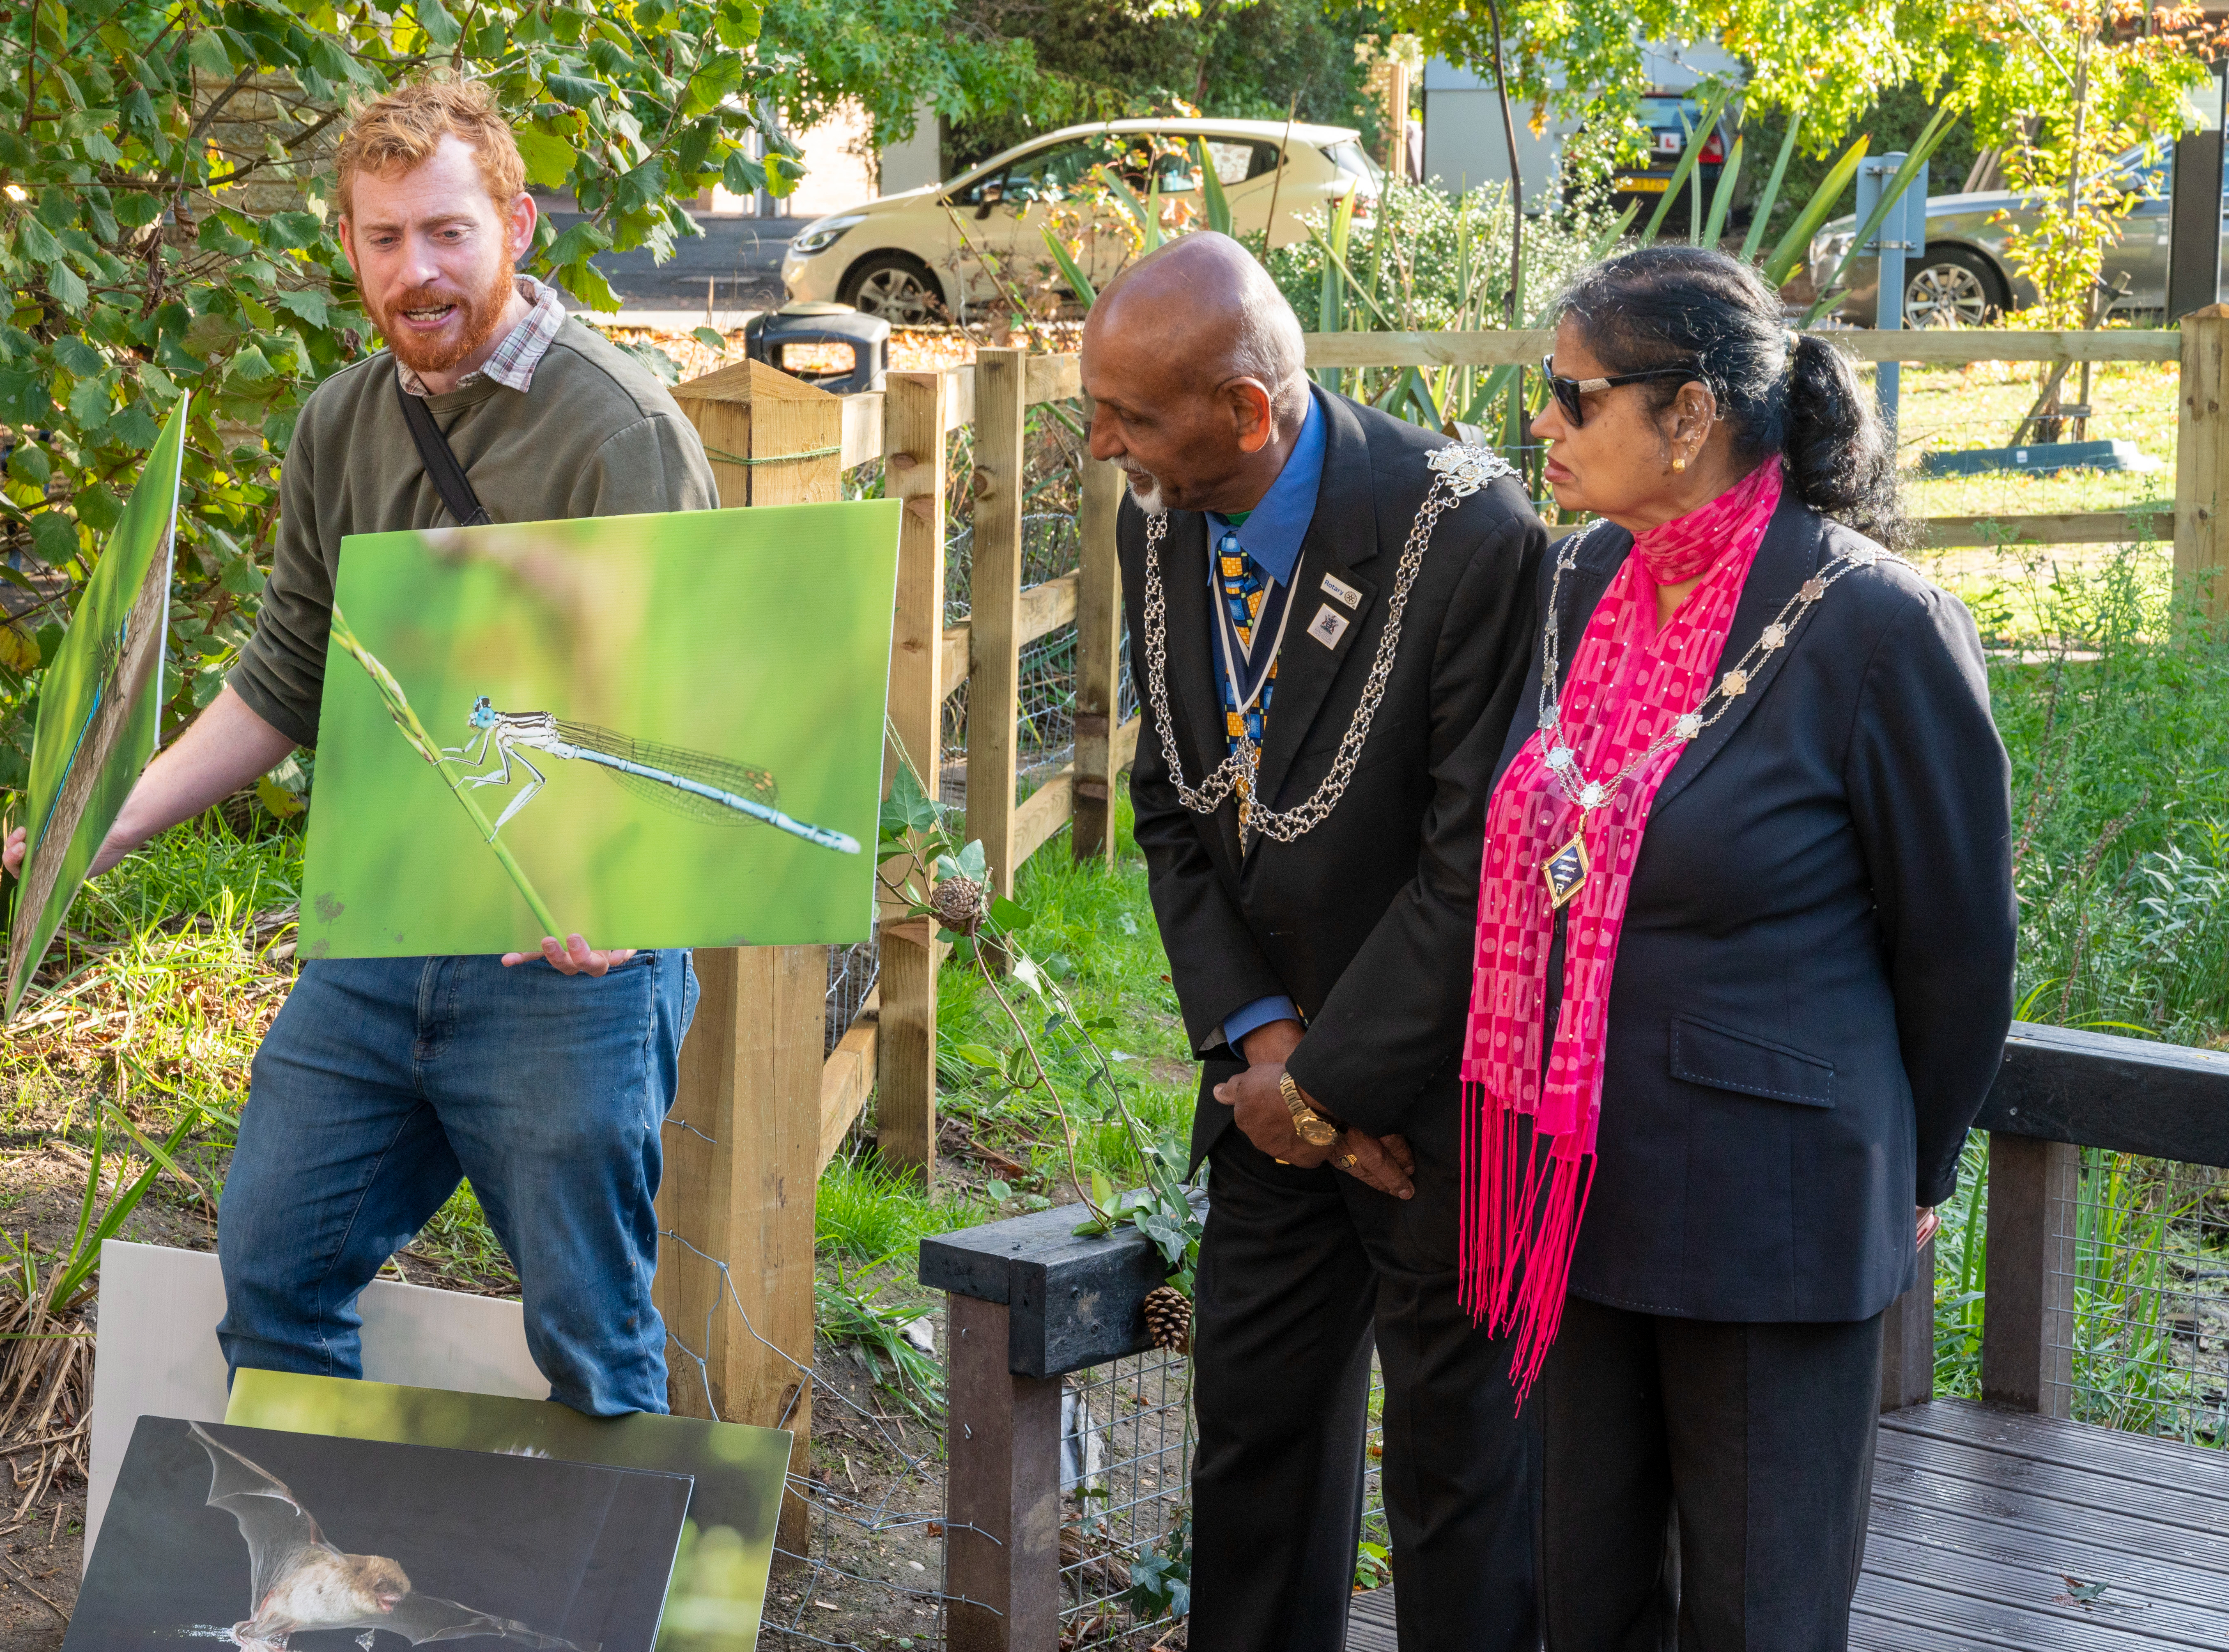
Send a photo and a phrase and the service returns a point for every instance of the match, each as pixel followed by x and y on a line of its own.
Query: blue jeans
pixel 385 1081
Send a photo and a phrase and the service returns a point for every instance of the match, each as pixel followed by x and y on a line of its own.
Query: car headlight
pixel 822 234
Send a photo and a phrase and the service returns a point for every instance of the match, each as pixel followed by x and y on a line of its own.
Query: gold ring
pixel 1346 1162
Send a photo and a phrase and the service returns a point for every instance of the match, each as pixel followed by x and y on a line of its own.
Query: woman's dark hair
pixel 1793 394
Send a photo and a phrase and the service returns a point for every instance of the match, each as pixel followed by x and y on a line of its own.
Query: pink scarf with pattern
pixel 1528 1144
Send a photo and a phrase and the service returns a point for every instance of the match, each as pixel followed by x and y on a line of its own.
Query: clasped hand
pixel 1257 1106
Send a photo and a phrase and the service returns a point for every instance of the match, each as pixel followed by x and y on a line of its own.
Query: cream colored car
pixel 933 253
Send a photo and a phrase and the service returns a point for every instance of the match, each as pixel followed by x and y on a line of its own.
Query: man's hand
pixel 1271 1044
pixel 572 956
pixel 1929 1221
pixel 1258 1108
pixel 12 856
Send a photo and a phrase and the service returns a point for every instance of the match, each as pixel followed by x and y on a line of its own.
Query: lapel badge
pixel 1328 626
pixel 1339 592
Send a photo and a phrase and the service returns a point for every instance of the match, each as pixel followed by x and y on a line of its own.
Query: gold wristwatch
pixel 1308 1125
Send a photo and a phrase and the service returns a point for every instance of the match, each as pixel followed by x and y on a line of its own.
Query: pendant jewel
pixel 1566 870
pixel 1548 717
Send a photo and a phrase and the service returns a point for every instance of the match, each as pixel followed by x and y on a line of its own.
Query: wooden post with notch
pixel 1002 1499
pixel 2201 460
pixel 914 419
pixel 1098 664
pixel 2027 1317
pixel 1907 1376
pixel 994 609
pixel 742 1141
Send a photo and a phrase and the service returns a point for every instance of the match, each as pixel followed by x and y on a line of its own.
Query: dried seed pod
pixel 1168 1319
pixel 961 905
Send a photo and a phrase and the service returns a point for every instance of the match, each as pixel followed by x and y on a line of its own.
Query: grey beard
pixel 1145 489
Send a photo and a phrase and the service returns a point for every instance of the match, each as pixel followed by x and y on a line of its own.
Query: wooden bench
pixel 1996 1524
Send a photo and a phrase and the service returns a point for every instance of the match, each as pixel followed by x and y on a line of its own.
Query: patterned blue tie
pixel 1244 586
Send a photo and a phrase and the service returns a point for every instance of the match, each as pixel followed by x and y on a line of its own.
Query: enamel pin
pixel 1328 626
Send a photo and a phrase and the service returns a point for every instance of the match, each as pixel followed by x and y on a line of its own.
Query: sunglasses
pixel 1570 392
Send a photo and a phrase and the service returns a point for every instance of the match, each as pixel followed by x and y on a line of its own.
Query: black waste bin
pixel 772 337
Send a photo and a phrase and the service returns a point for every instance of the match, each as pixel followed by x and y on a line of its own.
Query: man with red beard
pixel 544 1078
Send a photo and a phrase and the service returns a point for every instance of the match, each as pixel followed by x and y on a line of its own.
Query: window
pixel 1348 158
pixel 1053 174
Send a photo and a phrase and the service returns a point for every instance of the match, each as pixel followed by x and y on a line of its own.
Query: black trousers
pixel 1297 1271
pixel 1705 1485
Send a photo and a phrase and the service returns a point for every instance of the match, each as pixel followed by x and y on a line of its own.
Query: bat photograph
pixel 727 1544
pixel 99 703
pixel 275 1540
pixel 652 731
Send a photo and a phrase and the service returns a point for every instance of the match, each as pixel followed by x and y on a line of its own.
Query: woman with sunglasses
pixel 1744 970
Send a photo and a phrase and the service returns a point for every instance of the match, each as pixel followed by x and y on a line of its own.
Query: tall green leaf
pixel 1078 282
pixel 1930 139
pixel 1148 221
pixel 1718 101
pixel 1791 248
pixel 1762 214
pixel 1723 197
pixel 1211 190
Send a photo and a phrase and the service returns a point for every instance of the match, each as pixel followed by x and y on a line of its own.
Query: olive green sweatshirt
pixel 593 435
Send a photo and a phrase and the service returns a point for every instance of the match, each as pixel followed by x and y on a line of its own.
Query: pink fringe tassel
pixel 1519 1227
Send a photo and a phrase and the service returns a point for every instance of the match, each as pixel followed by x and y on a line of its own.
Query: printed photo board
pixel 651 731
pixel 276 1541
pixel 719 1582
pixel 99 702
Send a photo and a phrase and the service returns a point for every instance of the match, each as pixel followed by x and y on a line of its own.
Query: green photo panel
pixel 99 704
pixel 650 731
pixel 719 1582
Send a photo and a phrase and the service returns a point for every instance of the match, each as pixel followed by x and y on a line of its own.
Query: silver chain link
pixel 1459 470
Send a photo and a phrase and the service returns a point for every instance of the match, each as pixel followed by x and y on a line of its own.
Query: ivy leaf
pixel 971 861
pixel 1010 915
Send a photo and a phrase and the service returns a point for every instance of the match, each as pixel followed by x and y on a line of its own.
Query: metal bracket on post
pixel 1903 230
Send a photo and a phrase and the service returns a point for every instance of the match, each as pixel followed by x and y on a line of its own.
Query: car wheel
pixel 897 288
pixel 1952 287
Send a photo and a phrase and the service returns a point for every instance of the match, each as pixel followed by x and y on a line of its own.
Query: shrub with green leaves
pixel 165 224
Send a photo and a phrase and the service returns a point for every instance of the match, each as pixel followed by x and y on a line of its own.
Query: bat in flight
pixel 301 1581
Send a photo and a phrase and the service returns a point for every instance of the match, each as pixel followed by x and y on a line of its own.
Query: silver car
pixel 1964 276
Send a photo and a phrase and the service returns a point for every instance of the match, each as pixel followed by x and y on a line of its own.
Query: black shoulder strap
pixel 441 461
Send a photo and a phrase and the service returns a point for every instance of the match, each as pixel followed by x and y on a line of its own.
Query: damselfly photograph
pixel 649 730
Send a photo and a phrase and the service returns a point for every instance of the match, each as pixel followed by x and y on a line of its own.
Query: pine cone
pixel 1168 1319
pixel 961 905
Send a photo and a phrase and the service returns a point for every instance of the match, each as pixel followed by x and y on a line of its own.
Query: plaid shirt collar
pixel 523 347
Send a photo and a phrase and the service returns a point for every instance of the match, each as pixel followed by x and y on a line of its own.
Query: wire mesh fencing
pixel 2150 1296
pixel 852 973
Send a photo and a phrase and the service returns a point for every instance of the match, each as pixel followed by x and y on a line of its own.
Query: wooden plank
pixel 1098 664
pixel 2027 1324
pixel 737 1189
pixel 2103 1089
pixel 2085 1448
pixel 1125 744
pixel 751 1069
pixel 1927 346
pixel 2030 1579
pixel 1908 1341
pixel 2070 527
pixel 1002 1491
pixel 1055 377
pixel 2158 1516
pixel 1369 1622
pixel 959 397
pixel 847 1078
pixel 1044 608
pixel 2099 1539
pixel 2201 458
pixel 1043 812
pixel 995 598
pixel 915 410
pixel 862 428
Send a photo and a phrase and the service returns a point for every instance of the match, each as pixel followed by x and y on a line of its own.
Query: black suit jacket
pixel 1366 921
pixel 1816 974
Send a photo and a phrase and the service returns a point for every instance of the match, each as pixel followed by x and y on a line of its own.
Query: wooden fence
pixel 761 1109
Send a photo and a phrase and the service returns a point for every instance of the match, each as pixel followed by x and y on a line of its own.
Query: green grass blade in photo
pixel 99 703
pixel 663 730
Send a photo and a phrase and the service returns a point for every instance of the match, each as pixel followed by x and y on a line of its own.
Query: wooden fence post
pixel 1908 1341
pixel 1002 1492
pixel 742 1149
pixel 995 608
pixel 913 418
pixel 2201 460
pixel 2027 1318
pixel 1098 664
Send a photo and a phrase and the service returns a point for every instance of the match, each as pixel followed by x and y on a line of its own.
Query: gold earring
pixel 1679 465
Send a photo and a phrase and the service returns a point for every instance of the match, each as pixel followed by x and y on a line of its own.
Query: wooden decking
pixel 1996 1532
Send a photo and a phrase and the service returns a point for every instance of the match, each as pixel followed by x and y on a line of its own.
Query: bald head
pixel 1194 364
pixel 1214 311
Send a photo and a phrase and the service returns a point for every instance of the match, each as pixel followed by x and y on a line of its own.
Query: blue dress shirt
pixel 1271 535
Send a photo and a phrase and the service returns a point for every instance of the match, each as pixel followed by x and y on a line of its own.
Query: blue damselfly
pixel 709 790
